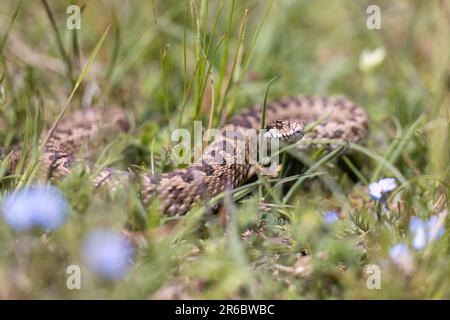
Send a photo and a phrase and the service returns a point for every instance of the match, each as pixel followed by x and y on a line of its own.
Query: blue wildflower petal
pixel 330 217
pixel 39 205
pixel 387 184
pixel 398 251
pixel 425 232
pixel 401 256
pixel 420 239
pixel 375 191
pixel 51 209
pixel 418 229
pixel 431 226
pixel 416 224
pixel 16 213
pixel 108 254
pixel 432 221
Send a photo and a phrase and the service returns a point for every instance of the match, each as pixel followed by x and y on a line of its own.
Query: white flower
pixel 378 189
pixel 370 59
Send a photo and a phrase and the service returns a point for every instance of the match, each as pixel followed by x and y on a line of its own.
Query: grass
pixel 169 63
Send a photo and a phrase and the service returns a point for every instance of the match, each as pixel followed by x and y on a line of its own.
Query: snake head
pixel 289 131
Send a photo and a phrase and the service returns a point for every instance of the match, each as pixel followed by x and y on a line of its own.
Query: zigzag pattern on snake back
pixel 177 191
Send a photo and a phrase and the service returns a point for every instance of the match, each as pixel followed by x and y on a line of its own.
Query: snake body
pixel 177 191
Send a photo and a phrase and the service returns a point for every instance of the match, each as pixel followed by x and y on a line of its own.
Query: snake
pixel 217 170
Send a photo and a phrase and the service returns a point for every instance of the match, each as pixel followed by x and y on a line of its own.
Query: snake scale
pixel 177 191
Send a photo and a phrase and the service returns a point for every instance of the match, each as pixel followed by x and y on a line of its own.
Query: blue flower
pixel 435 229
pixel 331 217
pixel 418 229
pixel 398 251
pixel 401 256
pixel 378 189
pixel 107 253
pixel 39 205
pixel 424 232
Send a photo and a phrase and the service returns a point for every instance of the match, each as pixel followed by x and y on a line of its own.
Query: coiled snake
pixel 177 191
